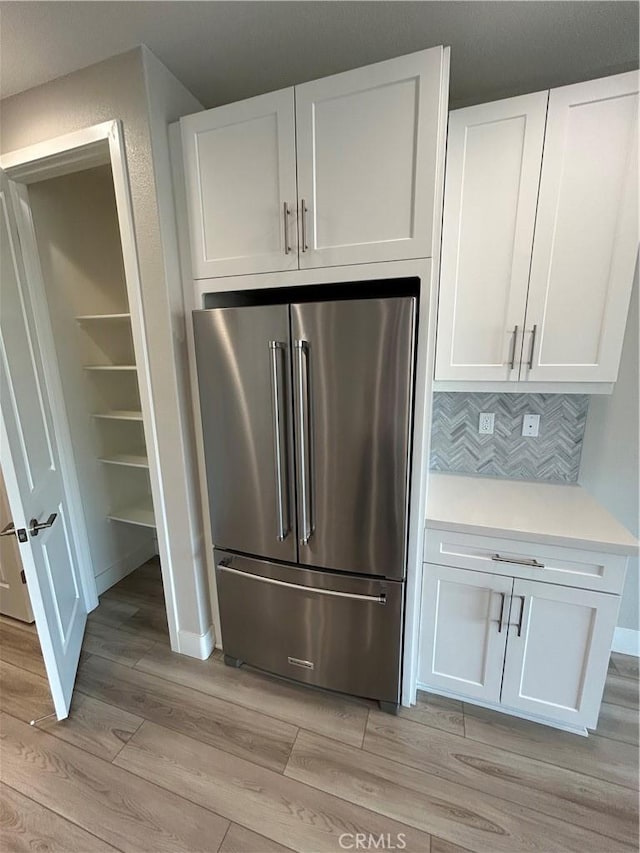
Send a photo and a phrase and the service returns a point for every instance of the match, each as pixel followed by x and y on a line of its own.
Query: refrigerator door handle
pixel 377 599
pixel 304 440
pixel 276 349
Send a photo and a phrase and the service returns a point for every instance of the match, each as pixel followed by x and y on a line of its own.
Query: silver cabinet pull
pixel 533 346
pixel 518 624
pixel 277 349
pixel 35 526
pixel 303 211
pixel 499 619
pixel 519 562
pixel 514 339
pixel 286 214
pixel 304 440
pixel 9 530
pixel 377 599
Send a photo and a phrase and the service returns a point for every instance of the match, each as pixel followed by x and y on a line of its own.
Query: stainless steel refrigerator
pixel 306 411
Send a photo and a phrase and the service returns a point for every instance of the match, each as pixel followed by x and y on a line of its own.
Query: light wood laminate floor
pixel 165 753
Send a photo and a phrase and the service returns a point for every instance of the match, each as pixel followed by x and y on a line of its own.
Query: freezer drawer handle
pixel 304 440
pixel 377 599
pixel 279 440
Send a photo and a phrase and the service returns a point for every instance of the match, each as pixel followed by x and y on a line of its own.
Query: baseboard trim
pixel 626 641
pixel 123 567
pixel 197 646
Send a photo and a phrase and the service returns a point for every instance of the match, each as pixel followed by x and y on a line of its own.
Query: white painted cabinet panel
pixel 494 156
pixel 367 146
pixel 240 165
pixel 464 633
pixel 586 238
pixel 558 651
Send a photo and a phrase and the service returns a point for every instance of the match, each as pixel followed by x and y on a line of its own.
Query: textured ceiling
pixel 225 51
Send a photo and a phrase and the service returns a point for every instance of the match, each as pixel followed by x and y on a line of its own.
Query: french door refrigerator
pixel 306 412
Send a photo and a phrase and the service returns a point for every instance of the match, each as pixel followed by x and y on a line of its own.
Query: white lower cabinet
pixel 524 646
pixel 464 619
pixel 558 651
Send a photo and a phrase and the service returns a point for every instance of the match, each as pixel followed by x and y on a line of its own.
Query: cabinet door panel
pixel 586 238
pixel 367 154
pixel 558 665
pixel 240 171
pixel 494 156
pixel 462 642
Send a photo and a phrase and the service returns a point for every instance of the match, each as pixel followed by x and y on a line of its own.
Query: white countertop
pixel 540 512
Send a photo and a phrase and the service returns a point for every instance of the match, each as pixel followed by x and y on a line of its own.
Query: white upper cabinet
pixel 367 143
pixel 493 169
pixel 369 149
pixel 546 303
pixel 586 240
pixel 240 164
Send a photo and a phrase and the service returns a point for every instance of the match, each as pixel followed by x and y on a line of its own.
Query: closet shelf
pixel 110 367
pixel 84 318
pixel 140 514
pixel 119 415
pixel 132 460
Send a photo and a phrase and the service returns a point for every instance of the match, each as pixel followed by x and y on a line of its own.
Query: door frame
pixel 92 146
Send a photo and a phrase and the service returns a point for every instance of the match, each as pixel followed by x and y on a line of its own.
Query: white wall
pixel 610 456
pixel 76 224
pixel 119 88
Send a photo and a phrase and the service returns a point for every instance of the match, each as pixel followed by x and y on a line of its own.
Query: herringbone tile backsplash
pixel 553 455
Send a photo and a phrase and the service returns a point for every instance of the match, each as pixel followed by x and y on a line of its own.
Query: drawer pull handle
pixel 375 599
pixel 524 562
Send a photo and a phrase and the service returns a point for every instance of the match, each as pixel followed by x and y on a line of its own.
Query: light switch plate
pixel 531 425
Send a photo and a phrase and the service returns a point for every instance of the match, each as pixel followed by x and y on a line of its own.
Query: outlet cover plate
pixel 486 422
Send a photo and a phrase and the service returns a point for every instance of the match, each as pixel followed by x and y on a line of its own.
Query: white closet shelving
pixel 110 362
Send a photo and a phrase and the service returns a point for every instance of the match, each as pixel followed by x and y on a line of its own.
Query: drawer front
pixel 528 560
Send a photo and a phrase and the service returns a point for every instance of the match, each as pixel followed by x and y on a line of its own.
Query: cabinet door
pixel 464 631
pixel 558 651
pixel 494 156
pixel 240 167
pixel 368 143
pixel 586 239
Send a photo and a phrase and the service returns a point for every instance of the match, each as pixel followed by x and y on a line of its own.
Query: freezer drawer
pixel 335 631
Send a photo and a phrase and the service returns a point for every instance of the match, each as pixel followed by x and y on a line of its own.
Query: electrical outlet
pixel 531 425
pixel 485 423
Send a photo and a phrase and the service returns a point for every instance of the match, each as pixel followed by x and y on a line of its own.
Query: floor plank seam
pixel 226 832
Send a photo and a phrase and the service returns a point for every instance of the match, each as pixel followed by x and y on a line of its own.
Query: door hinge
pixel 22 576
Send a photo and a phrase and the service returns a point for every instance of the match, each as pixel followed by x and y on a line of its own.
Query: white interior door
pixel 464 631
pixel 367 143
pixel 240 169
pixel 558 651
pixel 30 459
pixel 586 236
pixel 494 157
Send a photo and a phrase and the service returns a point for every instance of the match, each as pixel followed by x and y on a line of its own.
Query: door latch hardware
pixel 35 526
pixel 22 576
pixel 10 530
